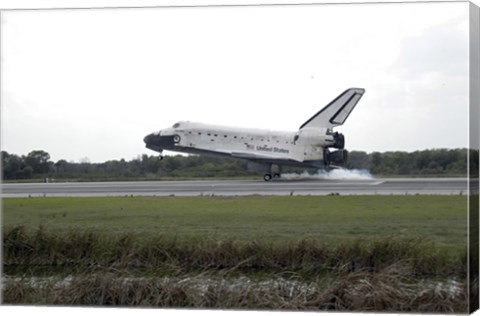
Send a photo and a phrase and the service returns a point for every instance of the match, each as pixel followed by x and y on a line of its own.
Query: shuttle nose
pixel 158 142
pixel 148 139
pixel 152 141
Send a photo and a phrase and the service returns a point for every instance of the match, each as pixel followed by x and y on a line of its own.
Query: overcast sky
pixel 92 83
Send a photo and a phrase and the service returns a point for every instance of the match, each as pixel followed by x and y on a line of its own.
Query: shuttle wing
pixel 245 155
pixel 337 111
pixel 257 156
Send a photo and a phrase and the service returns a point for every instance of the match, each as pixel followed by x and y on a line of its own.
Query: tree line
pixel 37 165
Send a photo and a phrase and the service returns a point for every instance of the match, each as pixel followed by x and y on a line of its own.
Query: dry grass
pixel 388 290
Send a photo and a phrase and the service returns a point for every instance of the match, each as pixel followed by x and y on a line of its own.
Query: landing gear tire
pixel 160 157
pixel 267 177
pixel 276 176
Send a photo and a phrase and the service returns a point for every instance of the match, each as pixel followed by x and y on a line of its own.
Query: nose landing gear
pixel 160 156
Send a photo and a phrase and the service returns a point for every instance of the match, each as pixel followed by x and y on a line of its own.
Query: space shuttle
pixel 314 145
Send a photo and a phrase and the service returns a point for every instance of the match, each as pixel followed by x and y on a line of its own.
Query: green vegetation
pixel 37 166
pixel 331 219
pixel 362 253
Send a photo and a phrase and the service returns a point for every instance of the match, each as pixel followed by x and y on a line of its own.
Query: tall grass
pixel 387 290
pixel 42 250
pixel 390 274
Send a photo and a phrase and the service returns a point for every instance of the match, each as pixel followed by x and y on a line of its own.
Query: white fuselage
pixel 301 146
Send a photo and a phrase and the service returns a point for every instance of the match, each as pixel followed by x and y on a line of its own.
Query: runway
pixel 381 186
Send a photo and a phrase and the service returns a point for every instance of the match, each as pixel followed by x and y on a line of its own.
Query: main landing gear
pixel 267 177
pixel 270 171
pixel 273 172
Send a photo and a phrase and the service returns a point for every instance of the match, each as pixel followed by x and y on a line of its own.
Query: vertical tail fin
pixel 337 111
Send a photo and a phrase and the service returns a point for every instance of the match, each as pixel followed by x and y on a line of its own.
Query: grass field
pixel 373 253
pixel 331 219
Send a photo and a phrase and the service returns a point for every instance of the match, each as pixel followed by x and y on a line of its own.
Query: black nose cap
pixel 147 139
pixel 157 142
pixel 151 142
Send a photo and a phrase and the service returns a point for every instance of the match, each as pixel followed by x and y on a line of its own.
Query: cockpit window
pixel 176 125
